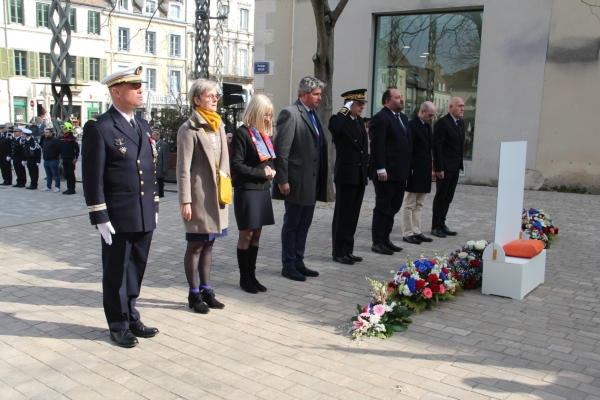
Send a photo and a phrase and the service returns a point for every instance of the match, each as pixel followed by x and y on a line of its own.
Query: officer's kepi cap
pixel 355 95
pixel 2 126
pixel 17 129
pixel 129 75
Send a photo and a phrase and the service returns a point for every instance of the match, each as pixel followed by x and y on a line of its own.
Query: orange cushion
pixel 524 248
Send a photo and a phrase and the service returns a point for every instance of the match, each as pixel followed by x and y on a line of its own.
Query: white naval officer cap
pixel 26 131
pixel 129 75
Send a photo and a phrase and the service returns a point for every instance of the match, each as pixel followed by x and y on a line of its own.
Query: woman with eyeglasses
pixel 201 152
pixel 252 156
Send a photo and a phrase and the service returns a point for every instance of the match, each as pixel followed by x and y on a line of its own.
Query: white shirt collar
pixel 127 117
pixel 307 109
pixel 423 122
pixel 455 119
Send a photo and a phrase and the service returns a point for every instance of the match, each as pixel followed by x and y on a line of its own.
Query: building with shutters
pixel 25 65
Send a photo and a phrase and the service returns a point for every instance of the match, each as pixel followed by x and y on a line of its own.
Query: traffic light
pixel 231 94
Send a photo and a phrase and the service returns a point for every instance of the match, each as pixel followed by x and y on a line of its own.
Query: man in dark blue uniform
pixel 5 155
pixel 33 156
pixel 350 173
pixel 119 185
pixel 18 157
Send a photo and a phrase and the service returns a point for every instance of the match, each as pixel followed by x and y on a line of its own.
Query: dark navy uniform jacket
pixel 119 178
pixel 351 147
pixel 18 148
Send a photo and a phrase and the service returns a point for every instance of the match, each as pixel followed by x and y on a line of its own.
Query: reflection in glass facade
pixel 430 57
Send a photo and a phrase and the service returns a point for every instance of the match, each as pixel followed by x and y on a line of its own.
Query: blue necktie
pixel 314 121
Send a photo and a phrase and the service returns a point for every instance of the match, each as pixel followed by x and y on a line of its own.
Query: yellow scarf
pixel 212 118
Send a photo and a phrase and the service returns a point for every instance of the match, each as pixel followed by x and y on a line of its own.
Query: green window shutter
pixel 86 69
pixel 80 68
pixel 32 65
pixel 11 62
pixel 38 19
pixel 104 68
pixel 3 63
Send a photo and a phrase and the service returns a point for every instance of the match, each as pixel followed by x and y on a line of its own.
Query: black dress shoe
pixel 208 296
pixel 15 185
pixel 306 272
pixel 353 257
pixel 124 338
pixel 69 191
pixel 141 330
pixel 448 231
pixel 411 239
pixel 195 302
pixel 293 274
pixel 392 246
pixel 423 238
pixel 381 249
pixel 438 232
pixel 344 260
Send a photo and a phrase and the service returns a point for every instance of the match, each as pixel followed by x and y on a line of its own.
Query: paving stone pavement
pixel 290 342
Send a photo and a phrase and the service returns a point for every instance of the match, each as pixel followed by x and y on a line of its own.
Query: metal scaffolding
pixel 202 39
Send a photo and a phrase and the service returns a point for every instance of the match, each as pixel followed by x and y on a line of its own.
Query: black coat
pixel 351 148
pixel 69 148
pixel 448 142
pixel 119 177
pixel 33 151
pixel 5 145
pixel 420 179
pixel 18 148
pixel 391 148
pixel 50 148
pixel 247 170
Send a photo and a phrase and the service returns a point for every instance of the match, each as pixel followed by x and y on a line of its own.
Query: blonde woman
pixel 201 149
pixel 252 156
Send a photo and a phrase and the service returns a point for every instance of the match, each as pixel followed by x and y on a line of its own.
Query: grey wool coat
pixel 297 148
pixel 196 176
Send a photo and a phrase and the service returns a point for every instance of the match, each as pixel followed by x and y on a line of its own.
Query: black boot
pixel 245 282
pixel 195 302
pixel 252 254
pixel 208 296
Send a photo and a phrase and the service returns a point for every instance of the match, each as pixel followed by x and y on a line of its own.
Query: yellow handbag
pixel 224 187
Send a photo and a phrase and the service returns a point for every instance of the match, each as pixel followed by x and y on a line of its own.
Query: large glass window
pixel 20 63
pixel 93 22
pixel 175 46
pixel 150 42
pixel 94 69
pixel 430 57
pixel 15 11
pixel 175 82
pixel 243 62
pixel 244 19
pixel 73 19
pixel 43 10
pixel 124 39
pixel 45 65
pixel 151 79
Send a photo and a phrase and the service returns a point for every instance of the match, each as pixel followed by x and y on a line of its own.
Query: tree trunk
pixel 323 62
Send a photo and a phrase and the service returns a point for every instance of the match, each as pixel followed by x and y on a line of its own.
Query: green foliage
pixel 168 121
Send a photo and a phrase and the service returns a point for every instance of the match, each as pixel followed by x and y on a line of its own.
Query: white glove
pixel 7 158
pixel 38 164
pixel 23 163
pixel 348 104
pixel 157 218
pixel 105 230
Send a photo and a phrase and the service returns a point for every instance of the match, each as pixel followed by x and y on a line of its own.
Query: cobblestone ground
pixel 290 342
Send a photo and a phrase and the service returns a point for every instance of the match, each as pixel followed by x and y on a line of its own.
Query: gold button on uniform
pixel 141 172
pixel 141 182
pixel 138 161
pixel 142 193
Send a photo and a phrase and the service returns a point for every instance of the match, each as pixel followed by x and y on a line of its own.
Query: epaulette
pixel 344 111
pixel 93 119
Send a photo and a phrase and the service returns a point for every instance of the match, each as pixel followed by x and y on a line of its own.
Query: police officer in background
pixel 119 185
pixel 5 155
pixel 18 157
pixel 33 156
pixel 69 152
pixel 350 173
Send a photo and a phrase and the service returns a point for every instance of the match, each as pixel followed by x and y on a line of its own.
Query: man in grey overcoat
pixel 162 162
pixel 301 165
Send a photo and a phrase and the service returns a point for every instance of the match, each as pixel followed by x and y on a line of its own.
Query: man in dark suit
pixel 119 184
pixel 448 141
pixel 5 155
pixel 18 157
pixel 350 174
pixel 419 183
pixel 391 152
pixel 301 165
pixel 162 162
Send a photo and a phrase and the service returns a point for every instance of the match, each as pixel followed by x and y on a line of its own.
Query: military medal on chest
pixel 153 145
pixel 121 144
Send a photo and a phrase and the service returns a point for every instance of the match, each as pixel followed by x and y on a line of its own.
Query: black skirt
pixel 252 208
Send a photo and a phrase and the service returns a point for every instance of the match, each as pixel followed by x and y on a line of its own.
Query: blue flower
pixel 411 282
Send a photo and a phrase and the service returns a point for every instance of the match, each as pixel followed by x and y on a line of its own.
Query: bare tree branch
pixel 338 11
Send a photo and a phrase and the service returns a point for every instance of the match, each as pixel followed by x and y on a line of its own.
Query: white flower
pixel 406 291
pixel 449 284
pixel 462 255
pixel 480 244
pixel 470 244
pixel 379 328
pixel 374 319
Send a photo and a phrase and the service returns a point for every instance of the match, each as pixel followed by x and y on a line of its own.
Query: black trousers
pixel 6 170
pixel 348 199
pixel 34 172
pixel 161 186
pixel 20 171
pixel 69 170
pixel 444 193
pixel 123 266
pixel 294 231
pixel 388 201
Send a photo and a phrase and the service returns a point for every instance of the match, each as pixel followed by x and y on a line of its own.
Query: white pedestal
pixel 511 276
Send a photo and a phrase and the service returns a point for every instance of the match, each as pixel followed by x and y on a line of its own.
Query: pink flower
pixel 364 315
pixel 358 324
pixel 379 309
pixel 442 289
pixel 427 293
